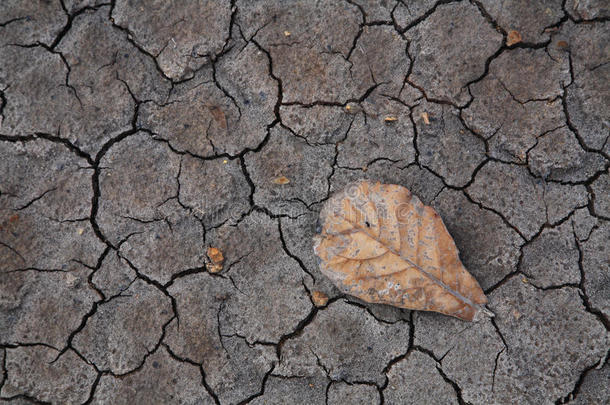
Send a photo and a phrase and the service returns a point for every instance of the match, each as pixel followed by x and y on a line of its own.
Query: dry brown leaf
pixel 513 37
pixel 378 242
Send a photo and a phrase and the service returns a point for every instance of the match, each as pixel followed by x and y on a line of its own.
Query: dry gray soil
pixel 136 134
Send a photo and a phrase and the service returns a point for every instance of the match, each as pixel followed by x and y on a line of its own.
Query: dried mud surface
pixel 134 135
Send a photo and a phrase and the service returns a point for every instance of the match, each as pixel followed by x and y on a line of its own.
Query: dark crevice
pixel 93 388
pixel 158 286
pixel 415 135
pixel 71 18
pixel 493 377
pixel 549 100
pixel 97 171
pixel 226 47
pixel 599 314
pixel 554 286
pixel 490 19
pixel 262 390
pixel 396 360
pixel 12 20
pixel 495 325
pixel 289 253
pixel 454 385
pixel 2 103
pixel 330 382
pixel 205 384
pixel 494 56
pixel 91 311
pixel 366 166
pixel 574 393
pixel 399 358
pixel 357 100
pixel 15 345
pixel 480 205
pixel 63 60
pixel 500 283
pixel 104 300
pixel 245 339
pixel 78 329
pixel 593 196
pixel 184 273
pixel 49 137
pixel 71 146
pixel 463 187
pixel 360 29
pixel 24 397
pixel 98 265
pixel 280 87
pixel 225 91
pixel 38 270
pixel 566 112
pixel 4 370
pixel 350 301
pixel 12 249
pixel 519 270
pixel 421 88
pixel 219 327
pixel 320 364
pixel 297 331
pixel 334 165
pixel 427 14
pixel 129 37
pixel 244 170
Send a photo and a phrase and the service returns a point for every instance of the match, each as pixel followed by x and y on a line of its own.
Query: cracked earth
pixel 134 135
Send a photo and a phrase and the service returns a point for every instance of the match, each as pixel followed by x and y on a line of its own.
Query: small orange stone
pixel 319 298
pixel 281 180
pixel 513 37
pixel 426 118
pixel 215 255
pixel 215 268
